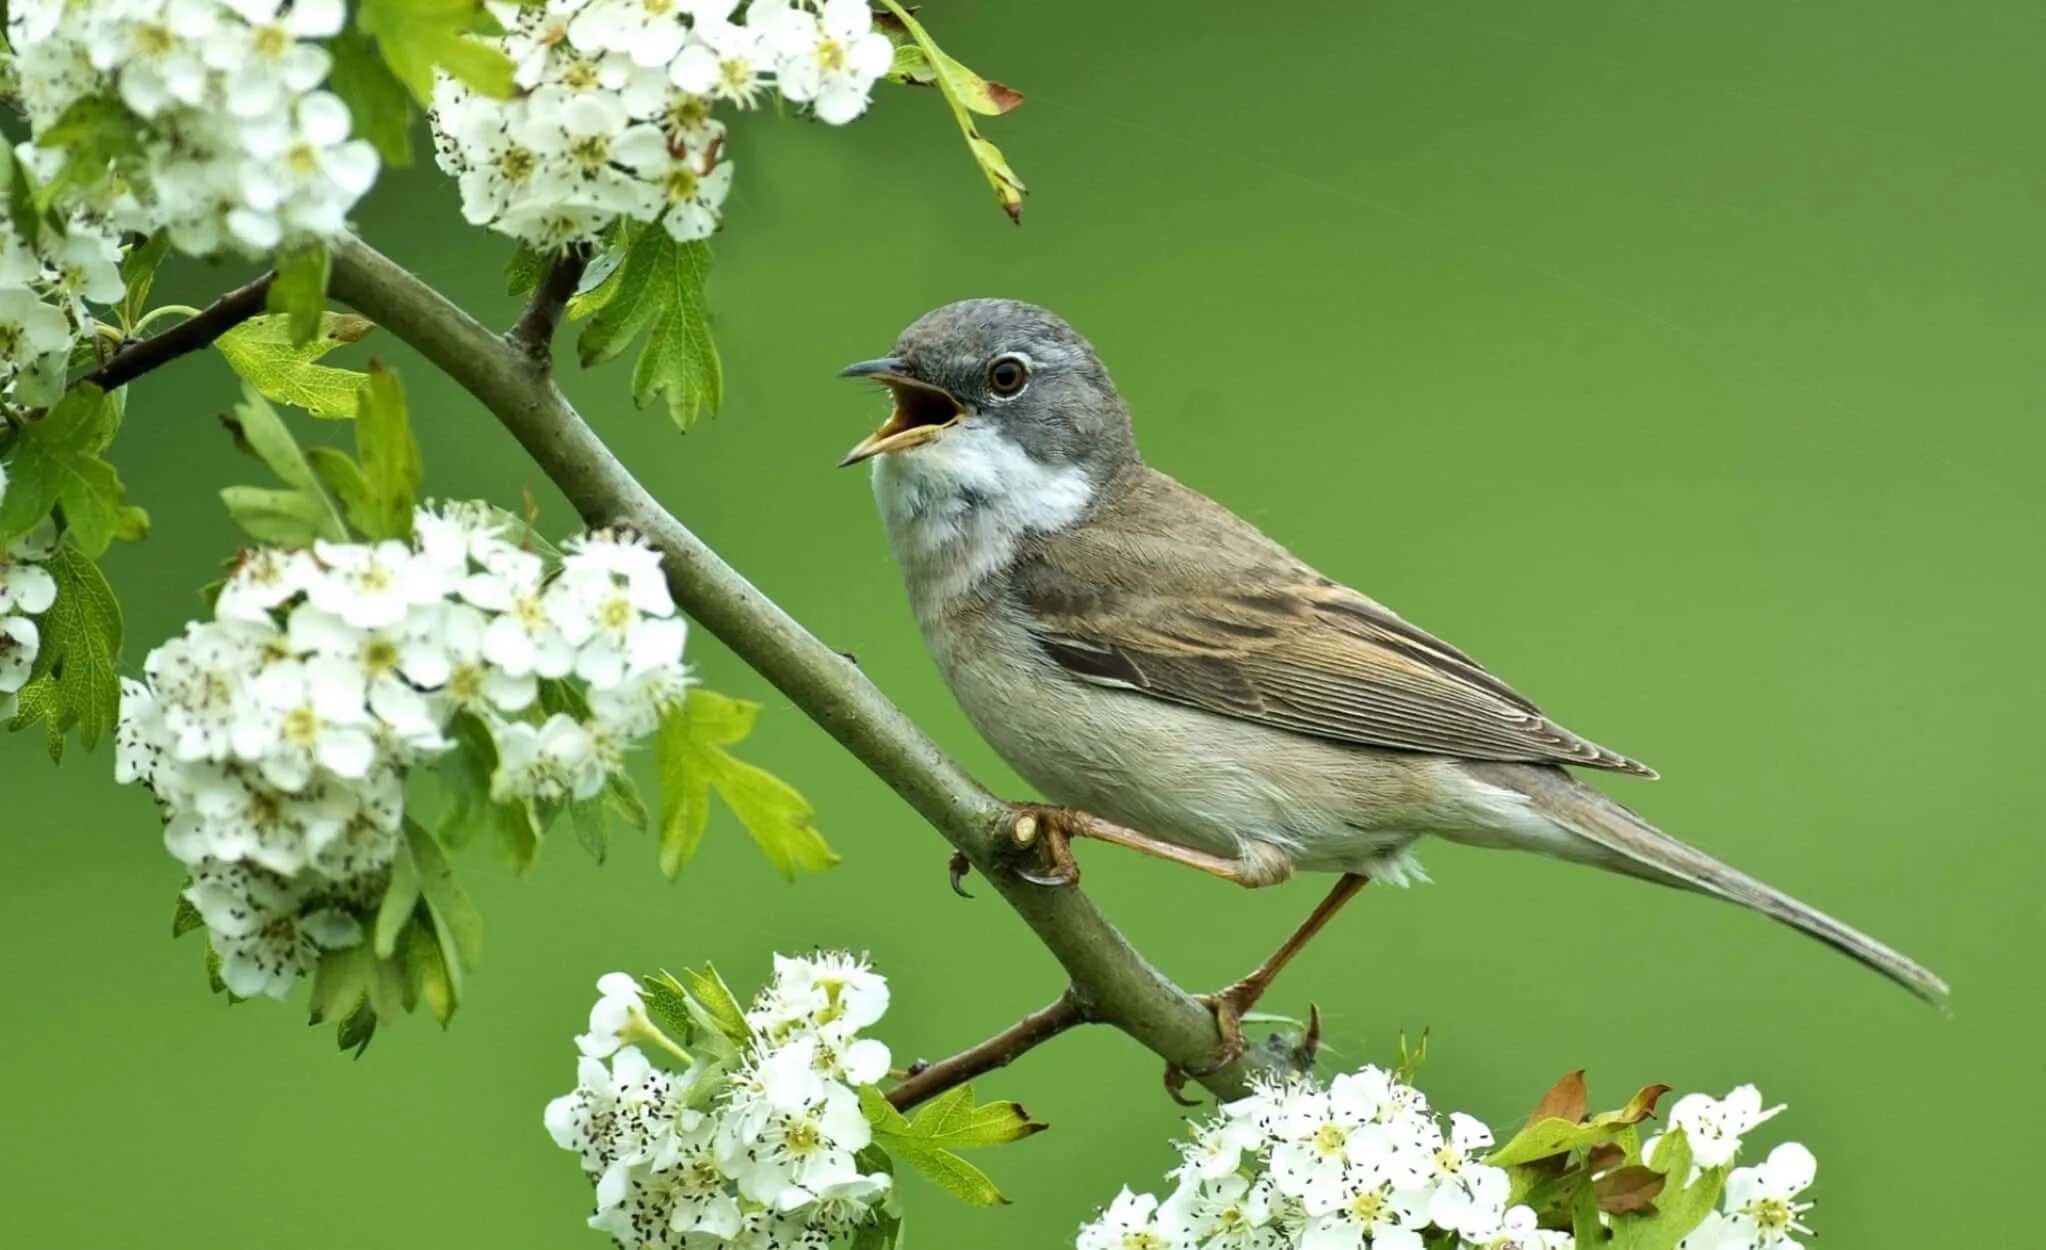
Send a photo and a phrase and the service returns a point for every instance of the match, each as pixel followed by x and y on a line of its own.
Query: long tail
pixel 1632 845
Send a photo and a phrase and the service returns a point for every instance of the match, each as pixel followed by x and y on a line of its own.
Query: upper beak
pixel 922 411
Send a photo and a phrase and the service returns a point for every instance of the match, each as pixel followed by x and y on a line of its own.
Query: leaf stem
pixel 1108 976
pixel 196 333
pixel 1034 1030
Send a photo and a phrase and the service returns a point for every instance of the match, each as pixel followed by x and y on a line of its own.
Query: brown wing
pixel 1214 615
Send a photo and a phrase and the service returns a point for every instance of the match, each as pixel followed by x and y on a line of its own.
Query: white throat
pixel 956 507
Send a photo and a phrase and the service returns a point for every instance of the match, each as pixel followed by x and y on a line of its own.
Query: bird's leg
pixel 1232 1004
pixel 1054 828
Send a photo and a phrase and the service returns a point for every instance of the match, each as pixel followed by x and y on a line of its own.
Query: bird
pixel 1139 653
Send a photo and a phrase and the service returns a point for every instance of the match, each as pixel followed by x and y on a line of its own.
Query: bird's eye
pixel 1007 376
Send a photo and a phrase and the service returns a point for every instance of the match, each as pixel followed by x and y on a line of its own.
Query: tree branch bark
pixel 1002 1049
pixel 194 333
pixel 1110 980
pixel 534 332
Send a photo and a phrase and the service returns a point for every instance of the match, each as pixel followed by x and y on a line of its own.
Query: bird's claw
pixel 1228 1012
pixel 1042 829
pixel 960 867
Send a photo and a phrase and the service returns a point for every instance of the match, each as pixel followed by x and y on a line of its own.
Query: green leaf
pixel 621 797
pixel 296 515
pixel 342 478
pixel 717 1002
pixel 186 917
pixel 1553 1135
pixel 1678 1212
pixel 388 454
pixel 356 1032
pixel 902 1140
pixel 518 834
pixel 23 197
pixel 95 132
pixel 57 462
pixel 524 269
pixel 76 679
pixel 138 274
pixel 953 1121
pixel 691 758
pixel 300 289
pixel 263 352
pixel 401 898
pixel 378 104
pixel 591 827
pixel 668 1005
pixel 427 964
pixel 415 36
pixel 966 93
pixel 454 917
pixel 658 288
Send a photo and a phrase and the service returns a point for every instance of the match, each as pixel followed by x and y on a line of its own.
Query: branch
pixel 193 334
pixel 999 1051
pixel 534 333
pixel 1110 980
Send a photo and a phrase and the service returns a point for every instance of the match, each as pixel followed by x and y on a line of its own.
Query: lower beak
pixel 922 411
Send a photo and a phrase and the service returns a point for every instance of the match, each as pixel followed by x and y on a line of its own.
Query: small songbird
pixel 1138 652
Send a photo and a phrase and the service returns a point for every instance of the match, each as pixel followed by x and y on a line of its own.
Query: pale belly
pixel 1200 780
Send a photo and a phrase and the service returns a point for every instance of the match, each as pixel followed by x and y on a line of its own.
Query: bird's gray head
pixel 998 377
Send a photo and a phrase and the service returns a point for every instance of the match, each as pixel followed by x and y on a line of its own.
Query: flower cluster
pixel 1360 1162
pixel 278 735
pixel 1363 1162
pixel 26 590
pixel 757 1151
pixel 613 118
pixel 47 286
pixel 240 149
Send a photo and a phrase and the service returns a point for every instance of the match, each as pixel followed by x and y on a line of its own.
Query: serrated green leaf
pixel 940 1165
pixel 299 291
pixel 186 917
pixel 952 1120
pixel 691 759
pixel 967 93
pixel 379 107
pixel 592 829
pixel 262 351
pixel 415 36
pixel 388 455
pixel 138 274
pixel 658 289
pixel 93 133
pixel 401 899
pixel 76 675
pixel 719 1005
pixel 455 918
pixel 524 268
pixel 57 462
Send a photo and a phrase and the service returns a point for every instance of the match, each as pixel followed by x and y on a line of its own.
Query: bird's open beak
pixel 922 411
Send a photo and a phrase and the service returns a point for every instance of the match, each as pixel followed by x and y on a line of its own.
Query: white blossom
pixel 242 151
pixel 278 735
pixel 1761 1207
pixel 1714 1127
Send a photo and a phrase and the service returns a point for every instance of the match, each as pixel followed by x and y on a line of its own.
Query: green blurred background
pixel 1681 361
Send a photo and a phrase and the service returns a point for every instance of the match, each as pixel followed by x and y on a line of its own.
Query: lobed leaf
pixel 263 352
pixel 1553 1135
pixel 75 684
pixel 909 1143
pixel 691 761
pixel 57 463
pixel 656 288
pixel 418 36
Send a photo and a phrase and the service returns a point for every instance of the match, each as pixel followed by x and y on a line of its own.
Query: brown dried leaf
pixel 1631 1188
pixel 1567 1099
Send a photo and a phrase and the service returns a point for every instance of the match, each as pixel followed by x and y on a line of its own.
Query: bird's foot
pixel 1228 1008
pixel 1044 846
pixel 959 869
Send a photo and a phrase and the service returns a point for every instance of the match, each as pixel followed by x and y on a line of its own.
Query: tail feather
pixel 1634 846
